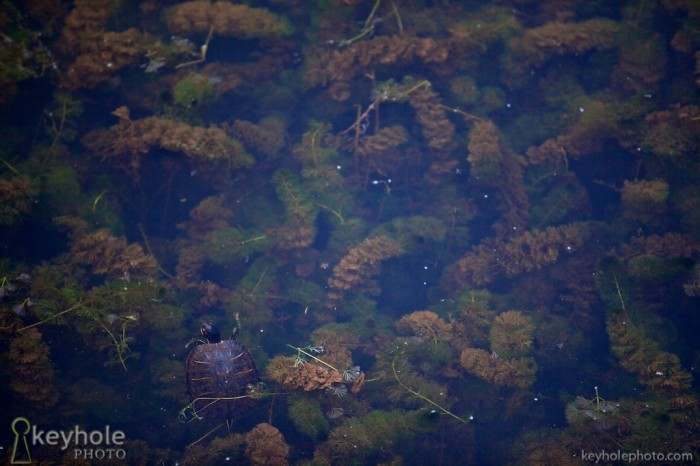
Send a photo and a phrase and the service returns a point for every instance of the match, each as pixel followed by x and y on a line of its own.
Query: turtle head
pixel 210 332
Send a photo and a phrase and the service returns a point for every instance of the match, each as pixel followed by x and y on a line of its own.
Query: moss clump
pixel 193 90
pixel 61 190
pixel 465 90
pixel 227 245
pixel 307 417
pixel 648 270
pixel 368 439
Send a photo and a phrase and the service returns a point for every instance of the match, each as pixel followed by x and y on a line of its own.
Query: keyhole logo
pixel 88 445
pixel 20 449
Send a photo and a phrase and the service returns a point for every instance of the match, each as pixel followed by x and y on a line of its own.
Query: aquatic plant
pixel 61 124
pixel 295 372
pixel 642 63
pixel 299 229
pixel 31 368
pixel 671 133
pixel 416 233
pixel 426 325
pixel 93 314
pixel 375 435
pixel 586 134
pixel 16 196
pixel 24 55
pixel 230 245
pixel 513 372
pixel 475 316
pixel 692 285
pixel 537 45
pixel 266 138
pixel 426 392
pixel 338 340
pixel 195 17
pixel 340 67
pixel 208 215
pixel 527 251
pixel 309 371
pixel 659 370
pixel 107 255
pixel 129 140
pixel 218 450
pixel 485 155
pixel 193 90
pixel 561 199
pixel 100 58
pixel 359 265
pixel 637 352
pixel 307 417
pixel 255 292
pixel 511 334
pixel 644 200
pixel 265 445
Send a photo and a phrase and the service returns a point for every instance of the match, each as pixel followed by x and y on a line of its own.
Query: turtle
pixel 219 374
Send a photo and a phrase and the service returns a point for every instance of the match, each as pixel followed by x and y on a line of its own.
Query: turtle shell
pixel 218 373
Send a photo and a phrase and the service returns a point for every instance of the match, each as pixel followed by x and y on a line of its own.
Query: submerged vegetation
pixel 472 225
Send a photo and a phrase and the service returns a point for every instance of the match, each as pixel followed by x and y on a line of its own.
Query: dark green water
pixel 491 209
